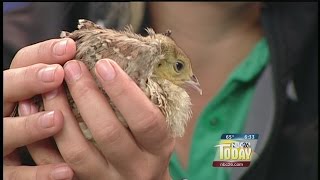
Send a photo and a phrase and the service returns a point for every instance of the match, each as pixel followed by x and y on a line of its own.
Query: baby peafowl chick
pixel 156 64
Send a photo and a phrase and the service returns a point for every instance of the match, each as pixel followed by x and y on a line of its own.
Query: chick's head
pixel 176 66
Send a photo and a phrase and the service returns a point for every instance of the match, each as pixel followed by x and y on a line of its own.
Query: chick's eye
pixel 178 66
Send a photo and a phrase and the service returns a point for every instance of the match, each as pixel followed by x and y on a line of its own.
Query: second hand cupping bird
pixel 156 64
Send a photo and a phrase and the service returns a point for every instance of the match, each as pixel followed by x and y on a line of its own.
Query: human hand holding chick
pixel 141 153
pixel 147 137
pixel 147 134
pixel 148 144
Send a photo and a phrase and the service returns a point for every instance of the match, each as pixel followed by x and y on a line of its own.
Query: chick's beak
pixel 194 83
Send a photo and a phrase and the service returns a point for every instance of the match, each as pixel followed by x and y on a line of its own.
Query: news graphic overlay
pixel 235 150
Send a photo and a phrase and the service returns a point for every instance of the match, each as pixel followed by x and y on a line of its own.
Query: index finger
pixel 54 51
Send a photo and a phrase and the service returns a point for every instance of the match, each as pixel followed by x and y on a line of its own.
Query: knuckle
pixel 149 121
pixel 25 73
pixel 117 90
pixel 31 127
pixel 28 126
pixel 29 73
pixel 76 155
pixel 44 48
pixel 83 89
pixel 41 50
pixel 108 134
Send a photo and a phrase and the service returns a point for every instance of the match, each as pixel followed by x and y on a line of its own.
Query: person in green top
pixel 256 62
pixel 227 112
pixel 235 56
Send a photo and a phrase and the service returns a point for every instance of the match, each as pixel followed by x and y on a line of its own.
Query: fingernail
pixel 24 108
pixel 46 120
pixel 72 70
pixel 61 173
pixel 105 70
pixel 60 47
pixel 51 94
pixel 47 74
